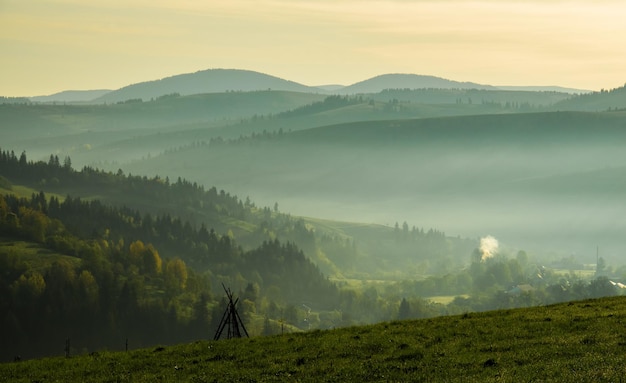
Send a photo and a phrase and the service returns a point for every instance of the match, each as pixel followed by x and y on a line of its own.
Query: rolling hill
pixel 467 175
pixel 227 80
pixel 580 341
pixel 404 81
pixel 597 101
pixel 559 89
pixel 93 134
pixel 83 129
pixel 72 96
pixel 206 81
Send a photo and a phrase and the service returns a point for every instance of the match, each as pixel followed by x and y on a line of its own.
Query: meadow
pixel 580 341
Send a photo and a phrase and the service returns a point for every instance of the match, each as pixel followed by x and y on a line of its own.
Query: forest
pixel 108 276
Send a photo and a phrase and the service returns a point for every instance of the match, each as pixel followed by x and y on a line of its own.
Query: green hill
pixel 206 81
pixel 614 99
pixel 77 96
pixel 87 131
pixel 131 129
pixel 409 81
pixel 573 342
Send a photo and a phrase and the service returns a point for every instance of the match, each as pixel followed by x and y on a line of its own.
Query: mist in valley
pixel 540 183
pixel 323 164
pixel 470 165
pixel 320 210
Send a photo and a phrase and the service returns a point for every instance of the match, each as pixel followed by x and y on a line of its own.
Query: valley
pixel 320 210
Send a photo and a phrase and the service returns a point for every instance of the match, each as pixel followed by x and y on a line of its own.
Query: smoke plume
pixel 488 247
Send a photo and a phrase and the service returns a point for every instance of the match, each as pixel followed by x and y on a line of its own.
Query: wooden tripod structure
pixel 231 319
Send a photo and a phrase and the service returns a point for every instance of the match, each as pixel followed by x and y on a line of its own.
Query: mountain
pixel 72 96
pixel 410 81
pixel 206 81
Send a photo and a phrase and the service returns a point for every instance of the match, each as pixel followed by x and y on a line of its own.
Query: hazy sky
pixel 52 45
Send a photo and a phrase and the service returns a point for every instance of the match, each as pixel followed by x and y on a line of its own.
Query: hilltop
pixel 577 341
pixel 407 81
pixel 206 81
pixel 238 80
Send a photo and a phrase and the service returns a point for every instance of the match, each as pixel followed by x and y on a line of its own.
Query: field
pixel 574 342
pixel 34 255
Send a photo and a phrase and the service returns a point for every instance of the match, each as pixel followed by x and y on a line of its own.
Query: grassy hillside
pixel 578 341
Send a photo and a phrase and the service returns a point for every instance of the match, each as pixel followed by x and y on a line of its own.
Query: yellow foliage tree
pixel 146 257
pixel 176 274
pixel 136 250
pixel 35 222
pixel 29 287
pixel 88 287
pixel 152 262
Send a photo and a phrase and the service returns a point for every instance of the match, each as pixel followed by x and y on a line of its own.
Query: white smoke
pixel 488 247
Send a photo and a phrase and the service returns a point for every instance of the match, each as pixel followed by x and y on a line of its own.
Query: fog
pixel 556 192
pixel 545 182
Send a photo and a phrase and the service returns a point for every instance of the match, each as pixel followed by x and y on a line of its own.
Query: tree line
pixel 99 284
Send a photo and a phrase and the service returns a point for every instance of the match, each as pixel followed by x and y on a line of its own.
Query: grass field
pixel 581 273
pixel 445 299
pixel 36 256
pixel 27 192
pixel 571 342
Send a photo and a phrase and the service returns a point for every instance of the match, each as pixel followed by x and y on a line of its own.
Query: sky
pixel 47 46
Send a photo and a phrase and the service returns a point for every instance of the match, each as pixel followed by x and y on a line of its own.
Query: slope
pixel 407 81
pixel 614 99
pixel 579 341
pixel 206 81
pixel 390 104
pixel 80 130
pixel 72 96
pixel 464 175
pixel 332 249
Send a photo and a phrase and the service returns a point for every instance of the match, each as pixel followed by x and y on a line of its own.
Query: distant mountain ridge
pixel 225 80
pixel 543 89
pixel 206 81
pixel 72 96
pixel 410 81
